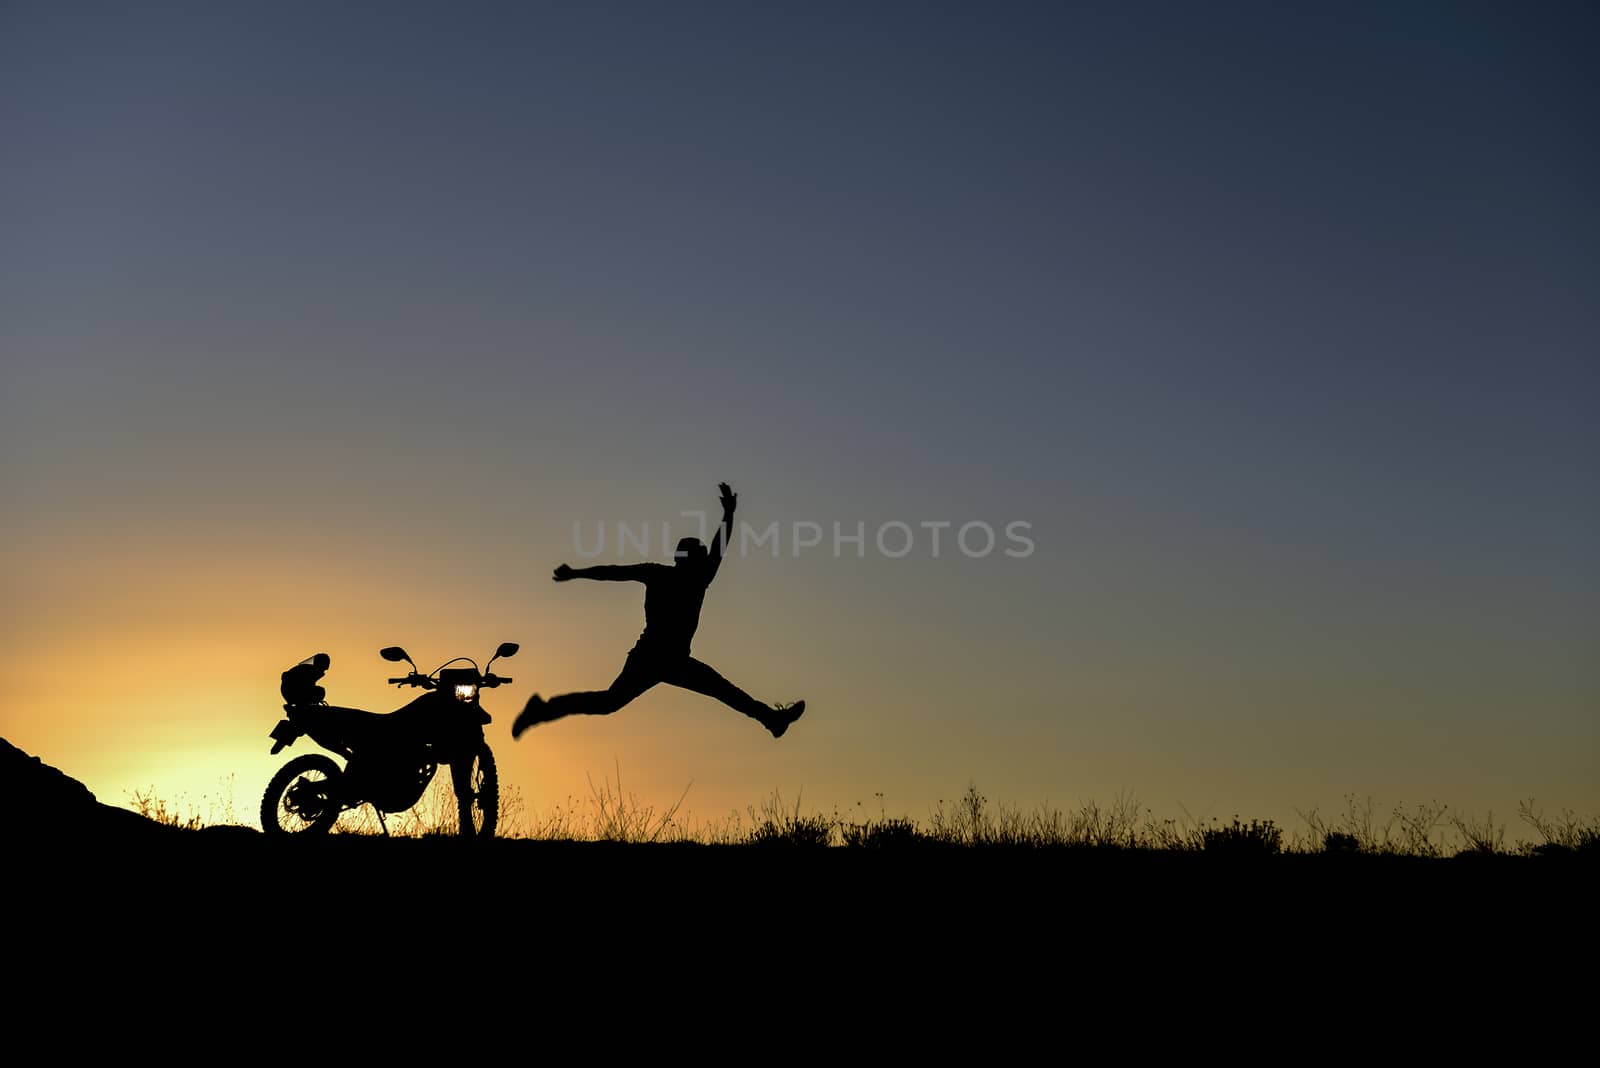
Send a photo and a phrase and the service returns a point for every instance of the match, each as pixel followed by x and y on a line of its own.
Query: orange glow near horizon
pixel 156 673
pixel 152 668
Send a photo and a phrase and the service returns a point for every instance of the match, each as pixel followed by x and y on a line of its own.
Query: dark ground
pixel 100 895
pixel 727 892
pixel 998 952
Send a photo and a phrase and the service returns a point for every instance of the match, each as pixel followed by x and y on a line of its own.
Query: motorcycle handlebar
pixel 490 681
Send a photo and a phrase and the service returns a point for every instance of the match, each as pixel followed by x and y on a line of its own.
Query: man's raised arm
pixel 604 573
pixel 730 501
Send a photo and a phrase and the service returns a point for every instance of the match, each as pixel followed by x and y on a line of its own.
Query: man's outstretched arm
pixel 604 572
pixel 730 501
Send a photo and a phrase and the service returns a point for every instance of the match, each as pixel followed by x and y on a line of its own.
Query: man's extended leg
pixel 637 676
pixel 696 675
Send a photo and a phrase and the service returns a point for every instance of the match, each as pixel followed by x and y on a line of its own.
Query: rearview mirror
pixel 394 654
pixel 506 649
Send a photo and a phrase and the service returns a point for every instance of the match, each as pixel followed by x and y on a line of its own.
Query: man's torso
pixel 673 597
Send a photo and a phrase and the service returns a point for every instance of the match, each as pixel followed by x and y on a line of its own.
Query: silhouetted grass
pixel 612 814
pixel 1426 830
pixel 1258 838
pixel 211 810
pixel 776 825
pixel 1566 833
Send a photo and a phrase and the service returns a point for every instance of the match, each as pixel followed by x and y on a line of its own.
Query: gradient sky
pixel 322 325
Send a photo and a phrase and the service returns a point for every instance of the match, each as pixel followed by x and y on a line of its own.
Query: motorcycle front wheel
pixel 302 797
pixel 480 808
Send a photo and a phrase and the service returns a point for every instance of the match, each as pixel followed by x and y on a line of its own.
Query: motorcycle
pixel 389 759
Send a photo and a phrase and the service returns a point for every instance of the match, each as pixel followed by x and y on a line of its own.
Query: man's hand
pixel 730 499
pixel 564 573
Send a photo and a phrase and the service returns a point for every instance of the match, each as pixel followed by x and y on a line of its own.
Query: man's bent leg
pixel 692 674
pixel 638 675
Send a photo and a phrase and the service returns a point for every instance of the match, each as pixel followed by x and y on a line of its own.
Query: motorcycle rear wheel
pixel 480 812
pixel 302 797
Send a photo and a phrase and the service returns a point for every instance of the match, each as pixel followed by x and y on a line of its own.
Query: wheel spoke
pixel 300 796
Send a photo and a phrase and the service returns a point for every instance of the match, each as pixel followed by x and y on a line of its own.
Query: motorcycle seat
pixel 353 726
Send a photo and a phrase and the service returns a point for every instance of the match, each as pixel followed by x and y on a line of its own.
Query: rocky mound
pixel 46 801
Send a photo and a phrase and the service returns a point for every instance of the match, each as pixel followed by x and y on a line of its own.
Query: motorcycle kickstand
pixel 381 821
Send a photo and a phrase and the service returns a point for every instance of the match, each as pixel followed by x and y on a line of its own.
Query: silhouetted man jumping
pixel 672 598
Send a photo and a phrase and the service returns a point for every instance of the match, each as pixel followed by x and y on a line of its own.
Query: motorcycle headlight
pixel 466 691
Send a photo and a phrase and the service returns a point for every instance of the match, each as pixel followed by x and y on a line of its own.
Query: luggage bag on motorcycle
pixel 299 685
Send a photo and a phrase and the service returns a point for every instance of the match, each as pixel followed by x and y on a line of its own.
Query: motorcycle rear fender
pixel 284 734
